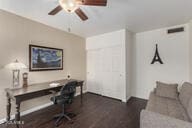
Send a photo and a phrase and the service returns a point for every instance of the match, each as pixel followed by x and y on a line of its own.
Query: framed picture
pixel 45 58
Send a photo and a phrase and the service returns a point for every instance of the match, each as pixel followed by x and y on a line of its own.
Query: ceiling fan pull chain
pixel 69 29
pixel 69 23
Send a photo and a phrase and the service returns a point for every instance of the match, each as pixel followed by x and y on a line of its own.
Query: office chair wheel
pixel 56 125
pixel 58 121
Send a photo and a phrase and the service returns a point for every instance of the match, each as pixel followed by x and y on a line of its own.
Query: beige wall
pixel 15 35
pixel 190 51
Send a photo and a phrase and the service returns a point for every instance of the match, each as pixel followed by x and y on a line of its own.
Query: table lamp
pixel 16 66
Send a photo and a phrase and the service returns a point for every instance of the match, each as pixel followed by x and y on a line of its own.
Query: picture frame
pixel 43 58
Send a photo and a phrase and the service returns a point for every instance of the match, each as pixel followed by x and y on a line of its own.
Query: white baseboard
pixel 124 100
pixel 128 98
pixel 34 109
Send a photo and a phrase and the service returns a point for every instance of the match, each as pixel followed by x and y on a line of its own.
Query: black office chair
pixel 65 98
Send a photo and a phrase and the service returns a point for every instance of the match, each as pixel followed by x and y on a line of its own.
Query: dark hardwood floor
pixel 96 112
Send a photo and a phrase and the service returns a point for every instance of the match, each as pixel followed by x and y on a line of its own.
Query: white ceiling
pixel 135 15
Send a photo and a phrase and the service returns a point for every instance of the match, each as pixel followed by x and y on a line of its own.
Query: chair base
pixel 61 116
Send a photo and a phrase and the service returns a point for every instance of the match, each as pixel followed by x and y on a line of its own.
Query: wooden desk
pixel 33 91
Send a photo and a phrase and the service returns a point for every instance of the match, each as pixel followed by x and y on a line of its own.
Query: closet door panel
pixel 117 71
pixel 93 72
pixel 97 73
pixel 111 68
pixel 90 71
pixel 107 84
pixel 105 73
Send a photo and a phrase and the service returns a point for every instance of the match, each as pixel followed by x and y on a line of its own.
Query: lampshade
pixel 68 5
pixel 16 65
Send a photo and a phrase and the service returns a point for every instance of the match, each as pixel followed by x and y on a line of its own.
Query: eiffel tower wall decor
pixel 157 57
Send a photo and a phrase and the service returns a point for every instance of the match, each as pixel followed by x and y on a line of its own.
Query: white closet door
pixel 112 80
pixel 93 71
pixel 106 60
pixel 118 76
pixel 105 73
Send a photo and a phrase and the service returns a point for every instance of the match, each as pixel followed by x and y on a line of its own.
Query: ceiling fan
pixel 74 6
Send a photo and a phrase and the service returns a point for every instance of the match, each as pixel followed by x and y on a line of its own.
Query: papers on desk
pixel 54 84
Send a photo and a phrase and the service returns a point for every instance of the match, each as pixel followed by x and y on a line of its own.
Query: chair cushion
pixel 59 99
pixel 167 90
pixel 185 94
pixel 166 106
pixel 189 109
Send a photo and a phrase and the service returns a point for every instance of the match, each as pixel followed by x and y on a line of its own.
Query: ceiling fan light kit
pixel 68 5
pixel 73 6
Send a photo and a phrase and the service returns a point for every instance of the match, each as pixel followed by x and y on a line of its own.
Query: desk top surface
pixel 37 87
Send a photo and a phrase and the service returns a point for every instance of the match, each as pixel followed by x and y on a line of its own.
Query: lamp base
pixel 16 82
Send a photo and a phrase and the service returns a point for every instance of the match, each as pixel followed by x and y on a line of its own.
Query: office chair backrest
pixel 68 91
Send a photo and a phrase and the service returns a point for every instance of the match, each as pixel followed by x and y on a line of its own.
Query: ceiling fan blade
pixel 55 10
pixel 92 2
pixel 81 14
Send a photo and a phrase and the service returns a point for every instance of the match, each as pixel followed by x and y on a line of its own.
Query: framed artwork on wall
pixel 45 58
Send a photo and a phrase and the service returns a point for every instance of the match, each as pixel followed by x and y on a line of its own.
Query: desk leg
pixel 81 94
pixel 8 108
pixel 17 115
